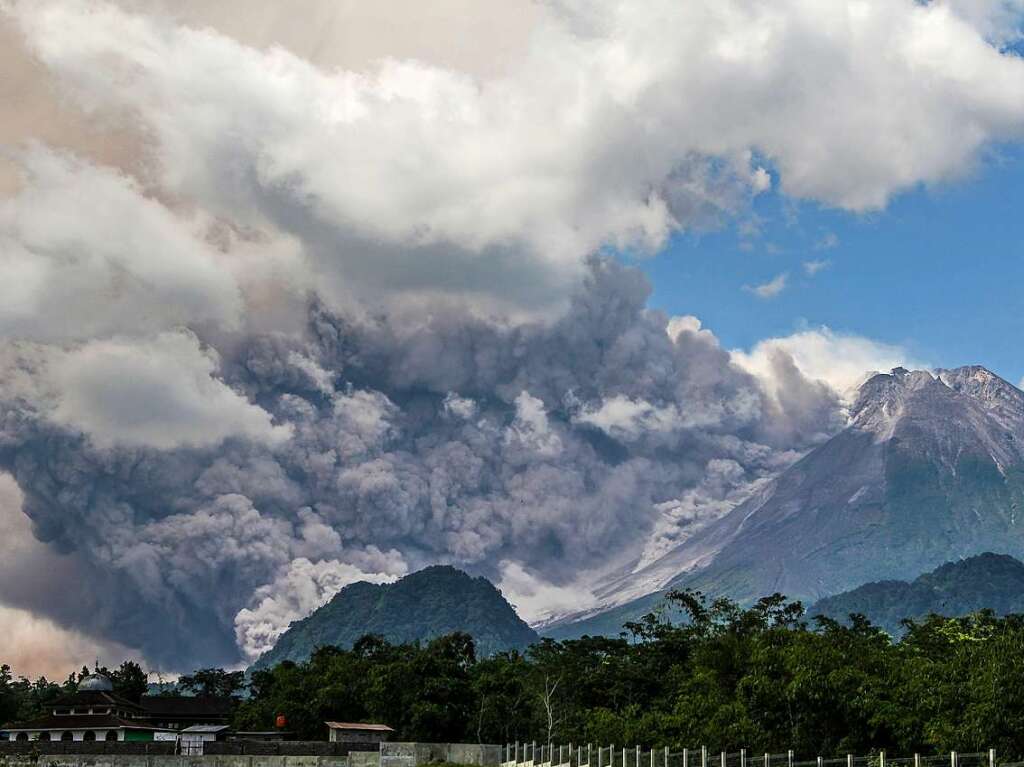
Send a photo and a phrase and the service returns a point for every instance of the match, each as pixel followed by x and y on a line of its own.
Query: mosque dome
pixel 96 683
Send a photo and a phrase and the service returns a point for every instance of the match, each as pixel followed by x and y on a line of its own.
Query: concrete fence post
pixel 881 758
pixel 849 761
pixel 767 760
pixel 686 757
pixel 743 757
pixel 789 758
pixel 725 759
pixel 703 756
pixel 991 757
pixel 952 759
pixel 917 760
pixel 820 762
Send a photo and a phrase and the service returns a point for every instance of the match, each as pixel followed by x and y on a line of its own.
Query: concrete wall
pixel 105 760
pixel 416 754
pixel 390 755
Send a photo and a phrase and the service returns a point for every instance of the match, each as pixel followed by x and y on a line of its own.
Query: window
pixel 22 736
pixel 89 736
pixel 67 736
pixel 111 735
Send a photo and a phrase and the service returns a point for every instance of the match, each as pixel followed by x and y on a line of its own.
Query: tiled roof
pixel 93 698
pixel 186 705
pixel 84 722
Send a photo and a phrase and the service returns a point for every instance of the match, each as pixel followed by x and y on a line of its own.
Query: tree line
pixel 764 678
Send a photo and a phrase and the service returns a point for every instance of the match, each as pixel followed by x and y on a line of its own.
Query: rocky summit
pixel 929 469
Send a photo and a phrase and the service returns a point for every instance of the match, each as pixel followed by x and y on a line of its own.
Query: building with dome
pixel 92 713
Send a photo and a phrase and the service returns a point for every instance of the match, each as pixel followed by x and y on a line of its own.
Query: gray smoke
pixel 457 440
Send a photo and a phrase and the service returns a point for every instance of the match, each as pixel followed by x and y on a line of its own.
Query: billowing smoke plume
pixel 366 447
pixel 302 326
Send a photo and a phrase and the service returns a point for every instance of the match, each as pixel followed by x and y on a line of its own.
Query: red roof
pixel 358 726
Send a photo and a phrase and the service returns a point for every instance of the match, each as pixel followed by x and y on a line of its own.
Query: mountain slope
pixel 930 469
pixel 988 580
pixel 430 603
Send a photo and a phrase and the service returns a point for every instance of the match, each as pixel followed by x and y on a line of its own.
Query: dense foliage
pixel 994 581
pixel 430 603
pixel 762 678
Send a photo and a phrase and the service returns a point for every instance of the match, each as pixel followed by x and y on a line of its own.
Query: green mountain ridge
pixel 429 603
pixel 987 581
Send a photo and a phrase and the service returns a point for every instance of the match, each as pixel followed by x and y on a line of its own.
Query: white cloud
pixel 299 589
pixel 839 359
pixel 828 241
pixel 83 252
pixel 537 600
pixel 160 393
pixel 769 289
pixel 415 178
pixel 811 268
pixel 530 430
pixel 462 408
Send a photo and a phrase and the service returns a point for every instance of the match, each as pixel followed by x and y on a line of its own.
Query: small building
pixel 92 713
pixel 357 732
pixel 194 738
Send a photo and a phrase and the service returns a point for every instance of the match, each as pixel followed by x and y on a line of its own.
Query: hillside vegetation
pixel 993 581
pixel 427 604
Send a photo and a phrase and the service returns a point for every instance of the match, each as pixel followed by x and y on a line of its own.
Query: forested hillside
pixel 993 581
pixel 427 604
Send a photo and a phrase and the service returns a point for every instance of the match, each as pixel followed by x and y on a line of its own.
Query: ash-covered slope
pixel 430 603
pixel 992 581
pixel 930 469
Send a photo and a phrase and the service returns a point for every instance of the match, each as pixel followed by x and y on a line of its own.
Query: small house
pixel 195 738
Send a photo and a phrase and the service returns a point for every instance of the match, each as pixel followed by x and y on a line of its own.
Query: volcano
pixel 930 469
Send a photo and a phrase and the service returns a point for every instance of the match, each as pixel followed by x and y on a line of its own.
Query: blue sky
pixel 940 271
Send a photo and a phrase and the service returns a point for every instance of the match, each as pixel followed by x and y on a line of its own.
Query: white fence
pixel 589 755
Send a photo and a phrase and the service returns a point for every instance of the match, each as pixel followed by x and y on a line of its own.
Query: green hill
pixel 994 581
pixel 430 603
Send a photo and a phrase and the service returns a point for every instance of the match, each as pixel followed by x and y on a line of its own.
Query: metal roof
pixel 358 726
pixel 206 728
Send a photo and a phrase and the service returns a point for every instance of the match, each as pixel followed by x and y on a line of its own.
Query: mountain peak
pixel 986 387
pixel 421 606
